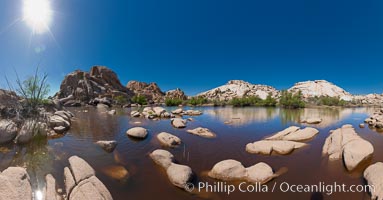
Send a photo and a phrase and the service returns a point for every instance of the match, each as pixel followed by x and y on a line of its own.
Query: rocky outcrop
pixel 8 103
pixel 203 132
pixel 345 143
pixel 15 184
pixel 319 88
pixel 149 90
pixel 60 121
pixel 31 129
pixel 8 131
pixel 108 146
pixel 81 182
pixel 238 88
pixel 175 94
pixel 137 132
pixel 370 99
pixel 374 176
pixel 232 170
pixel 283 142
pixel 179 175
pixel 80 86
pixel 375 120
pixel 168 139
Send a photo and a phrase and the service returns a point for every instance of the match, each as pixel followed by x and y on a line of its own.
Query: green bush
pixel 121 100
pixel 197 101
pixel 332 101
pixel 173 102
pixel 139 99
pixel 290 100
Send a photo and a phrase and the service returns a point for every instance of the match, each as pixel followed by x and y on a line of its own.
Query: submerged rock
pixel 177 111
pixel 203 132
pixel 232 170
pixel 8 131
pixel 112 112
pixel 137 132
pixel 135 114
pixel 294 133
pixel 178 123
pixel 116 172
pixel 50 192
pixel 168 139
pixel 375 120
pixel 15 184
pixel 108 146
pixel 179 175
pixel 374 176
pixel 192 112
pixel 345 143
pixel 312 121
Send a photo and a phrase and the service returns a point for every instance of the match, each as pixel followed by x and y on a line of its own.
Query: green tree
pixel 139 99
pixel 291 100
pixel 173 102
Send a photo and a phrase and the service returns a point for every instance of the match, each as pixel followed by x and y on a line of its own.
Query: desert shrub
pixel 253 101
pixel 173 102
pixel 197 101
pixel 121 100
pixel 139 99
pixel 291 100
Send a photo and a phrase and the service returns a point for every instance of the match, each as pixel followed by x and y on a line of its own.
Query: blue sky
pixel 200 44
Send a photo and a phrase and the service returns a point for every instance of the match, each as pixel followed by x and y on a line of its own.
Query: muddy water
pixel 148 181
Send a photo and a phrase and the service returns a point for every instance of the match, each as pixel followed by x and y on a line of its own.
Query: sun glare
pixel 37 14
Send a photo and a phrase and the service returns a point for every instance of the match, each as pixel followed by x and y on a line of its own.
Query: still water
pixel 148 181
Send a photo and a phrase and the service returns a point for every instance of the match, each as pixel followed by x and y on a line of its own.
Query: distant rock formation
pixel 239 88
pixel 150 90
pixel 80 86
pixel 320 88
pixel 175 94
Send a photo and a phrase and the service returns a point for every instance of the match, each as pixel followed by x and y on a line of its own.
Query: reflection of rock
pixel 232 170
pixel 8 131
pixel 168 139
pixel 345 143
pixel 137 132
pixel 179 175
pixel 178 123
pixel 81 182
pixel 283 142
pixel 15 184
pixel 192 112
pixel 203 132
pixel 116 172
pixel 108 146
pixel 242 116
pixel 374 176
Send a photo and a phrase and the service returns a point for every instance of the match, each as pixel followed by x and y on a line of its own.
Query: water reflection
pixel 248 115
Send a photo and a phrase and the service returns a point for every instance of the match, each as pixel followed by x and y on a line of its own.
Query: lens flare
pixel 37 14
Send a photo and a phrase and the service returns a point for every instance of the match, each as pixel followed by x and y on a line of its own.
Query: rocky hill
pixel 239 88
pixel 81 87
pixel 320 88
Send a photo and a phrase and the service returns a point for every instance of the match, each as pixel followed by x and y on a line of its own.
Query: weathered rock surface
pixel 135 114
pixel 175 94
pixel 84 86
pixel 108 146
pixel 50 192
pixel 320 88
pixel 15 184
pixel 312 121
pixel 179 175
pixel 238 88
pixel 31 129
pixel 60 121
pixel 81 182
pixel 178 123
pixel 375 120
pixel 203 132
pixel 8 103
pixel 283 142
pixel 8 131
pixel 149 90
pixel 345 143
pixel 374 176
pixel 177 111
pixel 232 170
pixel 168 139
pixel 269 146
pixel 137 132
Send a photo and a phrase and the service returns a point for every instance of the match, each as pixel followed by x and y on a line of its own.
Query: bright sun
pixel 38 15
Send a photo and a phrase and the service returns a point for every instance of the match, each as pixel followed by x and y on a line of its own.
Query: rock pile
pixel 375 120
